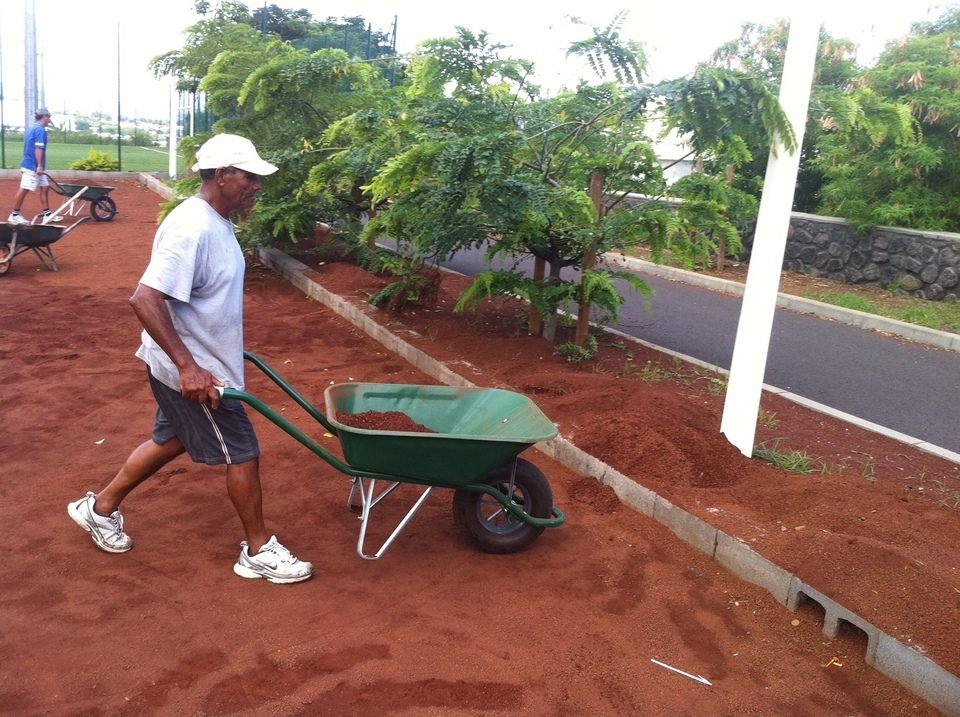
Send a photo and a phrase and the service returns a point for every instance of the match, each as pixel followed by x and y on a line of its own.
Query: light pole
pixel 3 125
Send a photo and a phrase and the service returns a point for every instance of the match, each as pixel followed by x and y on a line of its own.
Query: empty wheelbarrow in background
pixel 77 197
pixel 38 238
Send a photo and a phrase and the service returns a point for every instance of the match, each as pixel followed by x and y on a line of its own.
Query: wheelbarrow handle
pixel 293 393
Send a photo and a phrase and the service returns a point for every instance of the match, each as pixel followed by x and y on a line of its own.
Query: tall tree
pixel 891 153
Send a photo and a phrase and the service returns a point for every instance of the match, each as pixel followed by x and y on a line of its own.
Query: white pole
pixel 31 100
pixel 749 362
pixel 172 141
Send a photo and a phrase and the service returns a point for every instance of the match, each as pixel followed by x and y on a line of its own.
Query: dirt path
pixel 568 627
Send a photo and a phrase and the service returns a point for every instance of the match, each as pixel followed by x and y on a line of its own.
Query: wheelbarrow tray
pixel 477 429
pixel 92 193
pixel 34 235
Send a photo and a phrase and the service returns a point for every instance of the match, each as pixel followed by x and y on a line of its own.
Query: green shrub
pixel 97 162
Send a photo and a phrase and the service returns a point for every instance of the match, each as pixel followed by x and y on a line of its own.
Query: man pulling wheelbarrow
pixel 190 303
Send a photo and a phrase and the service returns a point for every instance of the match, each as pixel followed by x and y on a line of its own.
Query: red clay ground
pixel 568 627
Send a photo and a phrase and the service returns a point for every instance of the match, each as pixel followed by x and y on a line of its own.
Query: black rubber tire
pixel 4 255
pixel 484 522
pixel 103 209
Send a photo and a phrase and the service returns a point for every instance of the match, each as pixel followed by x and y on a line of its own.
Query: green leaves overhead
pixel 607 50
pixel 709 109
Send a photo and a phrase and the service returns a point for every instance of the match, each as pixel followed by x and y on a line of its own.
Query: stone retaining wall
pixel 924 264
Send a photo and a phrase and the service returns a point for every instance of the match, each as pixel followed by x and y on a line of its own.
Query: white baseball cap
pixel 231 150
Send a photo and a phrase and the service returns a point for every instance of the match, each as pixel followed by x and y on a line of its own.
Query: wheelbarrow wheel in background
pixel 103 209
pixel 4 257
pixel 487 525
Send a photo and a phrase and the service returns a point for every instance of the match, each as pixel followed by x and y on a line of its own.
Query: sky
pixel 86 51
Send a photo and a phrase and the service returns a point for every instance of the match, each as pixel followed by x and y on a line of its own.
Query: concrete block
pixel 563 451
pixel 631 493
pixel 833 615
pixel 918 674
pixel 753 567
pixel 690 529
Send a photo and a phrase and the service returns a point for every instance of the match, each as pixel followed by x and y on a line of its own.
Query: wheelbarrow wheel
pixel 103 209
pixel 487 525
pixel 5 259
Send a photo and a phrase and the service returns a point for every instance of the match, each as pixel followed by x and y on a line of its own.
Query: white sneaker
pixel 106 530
pixel 274 562
pixel 49 216
pixel 16 219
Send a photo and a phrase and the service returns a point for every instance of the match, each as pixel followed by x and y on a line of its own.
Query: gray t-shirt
pixel 197 262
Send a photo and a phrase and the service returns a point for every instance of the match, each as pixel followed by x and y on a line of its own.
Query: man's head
pixel 42 115
pixel 230 169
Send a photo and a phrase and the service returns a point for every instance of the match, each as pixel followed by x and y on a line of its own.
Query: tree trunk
pixel 550 329
pixel 589 262
pixel 372 241
pixel 722 246
pixel 535 319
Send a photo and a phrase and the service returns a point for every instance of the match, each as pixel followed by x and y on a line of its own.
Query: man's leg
pixel 19 197
pixel 100 515
pixel 243 487
pixel 45 197
pixel 260 556
pixel 146 459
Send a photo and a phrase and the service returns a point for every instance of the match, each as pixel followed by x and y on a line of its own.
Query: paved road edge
pixel 911 332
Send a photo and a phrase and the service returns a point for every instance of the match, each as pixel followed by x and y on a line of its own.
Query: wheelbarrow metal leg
pixel 367 501
pixel 45 255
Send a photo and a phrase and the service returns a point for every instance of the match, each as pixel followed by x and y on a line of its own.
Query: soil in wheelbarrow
pixel 393 421
pixel 567 627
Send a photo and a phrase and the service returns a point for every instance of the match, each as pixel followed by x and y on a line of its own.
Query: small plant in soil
pixel 416 283
pixel 768 419
pixel 576 354
pixel 793 461
pixel 652 373
pixel 717 386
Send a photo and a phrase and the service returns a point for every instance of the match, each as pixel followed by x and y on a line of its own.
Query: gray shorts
pixel 224 436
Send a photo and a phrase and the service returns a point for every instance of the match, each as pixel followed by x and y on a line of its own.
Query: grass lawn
pixel 133 159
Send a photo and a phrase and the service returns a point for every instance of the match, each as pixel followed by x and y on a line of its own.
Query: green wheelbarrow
pixel 78 196
pixel 501 502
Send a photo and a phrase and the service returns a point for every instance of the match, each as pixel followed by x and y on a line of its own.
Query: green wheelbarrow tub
pixel 477 429
pixel 92 193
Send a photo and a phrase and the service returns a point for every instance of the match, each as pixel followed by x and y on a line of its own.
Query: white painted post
pixel 742 404
pixel 172 142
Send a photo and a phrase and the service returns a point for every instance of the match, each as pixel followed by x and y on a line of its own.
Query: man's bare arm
pixel 196 383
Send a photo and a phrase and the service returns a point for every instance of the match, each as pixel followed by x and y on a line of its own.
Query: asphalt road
pixel 902 385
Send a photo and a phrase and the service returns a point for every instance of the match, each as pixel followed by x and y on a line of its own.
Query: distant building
pixel 674 154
